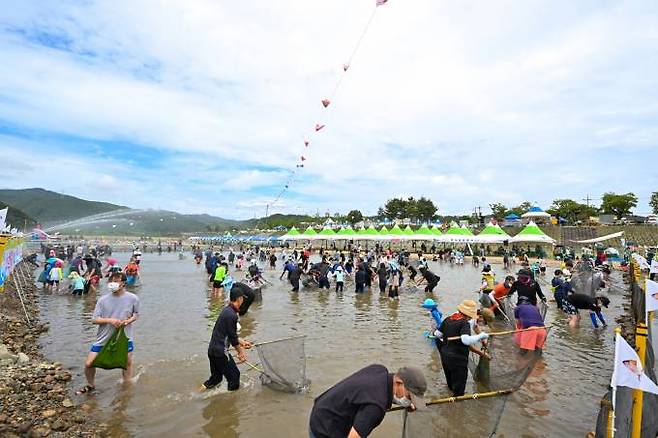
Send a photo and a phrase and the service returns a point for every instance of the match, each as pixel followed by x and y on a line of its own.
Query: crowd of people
pixel 373 389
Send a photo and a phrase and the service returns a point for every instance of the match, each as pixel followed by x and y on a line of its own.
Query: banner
pixel 11 253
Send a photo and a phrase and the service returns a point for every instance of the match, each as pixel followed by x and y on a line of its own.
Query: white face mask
pixel 113 286
pixel 403 401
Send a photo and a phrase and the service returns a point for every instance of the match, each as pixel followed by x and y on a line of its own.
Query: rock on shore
pixel 34 393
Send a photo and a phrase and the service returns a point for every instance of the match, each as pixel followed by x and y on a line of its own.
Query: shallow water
pixel 344 333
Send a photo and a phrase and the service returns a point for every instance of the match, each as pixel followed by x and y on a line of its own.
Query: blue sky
pixel 202 107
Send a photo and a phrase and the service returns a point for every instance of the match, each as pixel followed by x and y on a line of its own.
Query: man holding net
pixel 354 407
pixel 225 335
pixel 456 343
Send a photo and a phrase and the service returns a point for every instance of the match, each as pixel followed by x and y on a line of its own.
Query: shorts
pixel 217 284
pixel 77 291
pixel 52 282
pixel 97 348
pixel 569 308
pixel 531 340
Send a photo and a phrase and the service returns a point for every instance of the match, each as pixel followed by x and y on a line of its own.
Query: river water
pixel 344 333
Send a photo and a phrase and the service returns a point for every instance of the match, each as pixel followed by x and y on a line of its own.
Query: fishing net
pixel 494 382
pixel 284 364
pixel 585 279
pixel 509 366
pixel 477 417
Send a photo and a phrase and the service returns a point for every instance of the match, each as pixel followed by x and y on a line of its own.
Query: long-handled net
pixel 585 279
pixel 494 381
pixel 284 364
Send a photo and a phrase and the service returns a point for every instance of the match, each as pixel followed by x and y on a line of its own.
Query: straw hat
pixel 469 308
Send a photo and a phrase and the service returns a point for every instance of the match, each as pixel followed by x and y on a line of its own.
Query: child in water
pixel 55 275
pixel 436 317
pixel 77 283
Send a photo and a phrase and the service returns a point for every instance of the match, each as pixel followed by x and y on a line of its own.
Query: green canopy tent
pixel 346 233
pixel 327 233
pixel 492 234
pixel 436 231
pixel 531 233
pixel 309 234
pixel 424 233
pixel 292 234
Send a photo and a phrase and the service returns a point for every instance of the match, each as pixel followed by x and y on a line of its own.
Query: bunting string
pixel 325 103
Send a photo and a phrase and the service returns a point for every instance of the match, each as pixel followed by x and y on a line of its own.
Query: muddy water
pixel 344 333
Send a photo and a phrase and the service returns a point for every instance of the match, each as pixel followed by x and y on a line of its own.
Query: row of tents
pixel 491 234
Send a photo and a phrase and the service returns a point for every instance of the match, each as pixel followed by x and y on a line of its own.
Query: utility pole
pixel 587 199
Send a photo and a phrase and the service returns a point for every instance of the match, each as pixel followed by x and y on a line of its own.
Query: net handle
pixel 506 332
pixel 278 340
pixel 475 396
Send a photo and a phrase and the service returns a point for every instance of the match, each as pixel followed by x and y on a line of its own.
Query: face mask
pixel 113 286
pixel 403 401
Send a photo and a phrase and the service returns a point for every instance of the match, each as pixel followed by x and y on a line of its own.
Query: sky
pixel 203 106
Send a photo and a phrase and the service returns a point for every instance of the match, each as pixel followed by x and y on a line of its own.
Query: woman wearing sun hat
pixel 454 354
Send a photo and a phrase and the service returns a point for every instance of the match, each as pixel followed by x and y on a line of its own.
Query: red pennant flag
pixel 318 127
pixel 325 102
pixel 346 67
pixel 306 142
pixel 303 158
pixel 381 2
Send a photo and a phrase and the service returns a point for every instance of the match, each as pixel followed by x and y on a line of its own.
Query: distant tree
pixel 395 208
pixel 618 204
pixel 520 209
pixel 653 202
pixel 498 211
pixel 424 210
pixel 354 217
pixel 571 210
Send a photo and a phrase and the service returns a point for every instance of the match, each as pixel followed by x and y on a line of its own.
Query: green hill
pixel 18 218
pixel 48 207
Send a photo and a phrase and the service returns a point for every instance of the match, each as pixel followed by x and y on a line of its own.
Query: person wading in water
pixel 225 335
pixel 355 406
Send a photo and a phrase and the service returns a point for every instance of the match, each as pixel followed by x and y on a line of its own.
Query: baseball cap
pixel 414 381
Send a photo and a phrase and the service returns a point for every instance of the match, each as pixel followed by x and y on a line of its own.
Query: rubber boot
pixel 600 315
pixel 592 316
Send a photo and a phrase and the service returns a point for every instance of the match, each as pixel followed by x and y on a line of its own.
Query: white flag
pixel 640 261
pixel 651 299
pixel 654 266
pixel 628 369
pixel 3 217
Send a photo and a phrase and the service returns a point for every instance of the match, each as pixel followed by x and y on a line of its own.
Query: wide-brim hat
pixel 468 308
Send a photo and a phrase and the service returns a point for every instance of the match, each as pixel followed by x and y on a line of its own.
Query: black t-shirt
pixel 454 351
pixel 582 301
pixel 430 276
pixel 360 276
pixel 530 290
pixel 225 332
pixel 359 401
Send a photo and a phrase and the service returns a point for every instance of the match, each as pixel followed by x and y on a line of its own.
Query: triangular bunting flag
pixel 346 67
pixel 326 102
pixel 306 143
pixel 318 127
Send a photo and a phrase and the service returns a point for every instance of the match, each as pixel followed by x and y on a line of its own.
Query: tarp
pixel 601 239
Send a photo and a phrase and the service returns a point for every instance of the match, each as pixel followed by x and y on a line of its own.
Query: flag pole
pixel 641 333
pixel 611 414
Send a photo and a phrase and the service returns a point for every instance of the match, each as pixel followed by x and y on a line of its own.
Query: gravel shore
pixel 35 398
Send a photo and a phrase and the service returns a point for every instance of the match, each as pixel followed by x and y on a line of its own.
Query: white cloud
pixel 507 101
